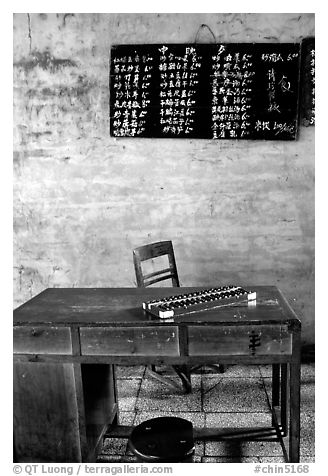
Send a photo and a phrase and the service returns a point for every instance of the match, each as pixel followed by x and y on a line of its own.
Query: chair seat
pixel 163 439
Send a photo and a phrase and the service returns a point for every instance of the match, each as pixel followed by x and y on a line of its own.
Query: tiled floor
pixel 238 397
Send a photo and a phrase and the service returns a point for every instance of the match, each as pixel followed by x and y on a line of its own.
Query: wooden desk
pixel 67 342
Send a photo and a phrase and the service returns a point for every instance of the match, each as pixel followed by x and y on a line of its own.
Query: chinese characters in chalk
pixel 131 85
pixel 232 84
pixel 308 82
pixel 179 82
pixel 280 87
pixel 312 81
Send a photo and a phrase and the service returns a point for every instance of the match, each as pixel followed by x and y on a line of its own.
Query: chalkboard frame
pixel 292 114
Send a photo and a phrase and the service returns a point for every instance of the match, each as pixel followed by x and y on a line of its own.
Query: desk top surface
pixel 123 306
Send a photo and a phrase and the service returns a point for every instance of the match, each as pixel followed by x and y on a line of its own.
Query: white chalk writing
pixel 131 89
pixel 232 86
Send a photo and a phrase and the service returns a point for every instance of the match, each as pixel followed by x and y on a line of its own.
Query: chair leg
pixel 165 380
pixel 183 372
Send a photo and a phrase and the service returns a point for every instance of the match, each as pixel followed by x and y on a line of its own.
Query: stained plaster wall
pixel 237 211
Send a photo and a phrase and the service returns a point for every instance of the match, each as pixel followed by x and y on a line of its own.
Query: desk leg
pixel 275 391
pixel 294 412
pixel 275 384
pixel 284 400
pixel 280 396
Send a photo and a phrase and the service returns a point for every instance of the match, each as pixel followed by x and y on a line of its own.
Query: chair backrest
pixel 148 252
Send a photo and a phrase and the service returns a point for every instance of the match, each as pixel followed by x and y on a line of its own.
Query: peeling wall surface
pixel 238 212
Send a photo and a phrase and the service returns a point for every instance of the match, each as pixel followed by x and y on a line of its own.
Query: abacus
pixel 171 306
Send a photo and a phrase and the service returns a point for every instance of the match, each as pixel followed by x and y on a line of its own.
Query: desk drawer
pixel 156 341
pixel 42 340
pixel 239 340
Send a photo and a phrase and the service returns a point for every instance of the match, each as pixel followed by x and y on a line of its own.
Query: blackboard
pixel 308 82
pixel 210 91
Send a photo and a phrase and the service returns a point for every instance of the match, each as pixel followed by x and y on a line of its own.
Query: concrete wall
pixel 238 212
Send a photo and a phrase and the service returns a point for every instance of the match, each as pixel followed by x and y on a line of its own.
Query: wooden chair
pixel 150 252
pixel 155 250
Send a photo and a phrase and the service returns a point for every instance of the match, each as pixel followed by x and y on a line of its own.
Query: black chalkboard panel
pixel 221 91
pixel 308 82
